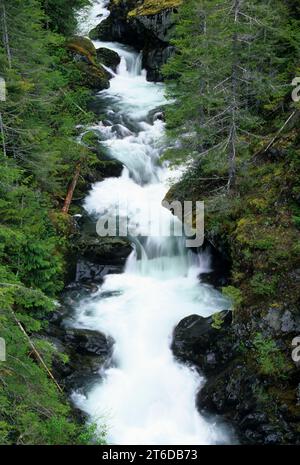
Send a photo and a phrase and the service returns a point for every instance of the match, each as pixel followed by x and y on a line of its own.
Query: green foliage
pixel 234 294
pixel 61 15
pixel 271 361
pixel 91 434
pixel 263 285
pixel 217 321
pixel 233 63
pixel 38 153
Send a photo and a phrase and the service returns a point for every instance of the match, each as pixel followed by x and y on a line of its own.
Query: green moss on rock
pixel 84 53
pixel 83 47
pixel 153 7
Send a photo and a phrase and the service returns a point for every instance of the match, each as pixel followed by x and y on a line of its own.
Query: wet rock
pixel 106 167
pixel 108 57
pixel 145 27
pixel 206 342
pixel 230 394
pixel 80 372
pixel 153 60
pixel 88 342
pixel 156 114
pixel 90 272
pixel 100 250
pixel 234 388
pixel 121 131
pixel 214 278
pixel 87 353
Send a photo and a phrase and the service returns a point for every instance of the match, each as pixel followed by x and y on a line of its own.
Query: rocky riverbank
pixel 252 380
pixel 146 26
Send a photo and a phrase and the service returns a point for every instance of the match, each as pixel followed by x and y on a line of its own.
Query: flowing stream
pixel 145 396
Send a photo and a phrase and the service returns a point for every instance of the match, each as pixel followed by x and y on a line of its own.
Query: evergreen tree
pixel 38 151
pixel 233 63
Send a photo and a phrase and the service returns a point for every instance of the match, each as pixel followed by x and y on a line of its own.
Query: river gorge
pixel 144 396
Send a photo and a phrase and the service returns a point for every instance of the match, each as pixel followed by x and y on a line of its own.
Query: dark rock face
pixel 218 275
pixel 108 58
pixel 146 31
pixel 87 351
pixel 236 394
pixel 88 342
pixel 91 272
pixel 206 342
pixel 236 390
pixel 153 60
pixel 103 251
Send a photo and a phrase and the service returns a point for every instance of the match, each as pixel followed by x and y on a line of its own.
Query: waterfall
pixel 145 396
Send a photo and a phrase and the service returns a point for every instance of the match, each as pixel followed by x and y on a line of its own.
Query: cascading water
pixel 145 396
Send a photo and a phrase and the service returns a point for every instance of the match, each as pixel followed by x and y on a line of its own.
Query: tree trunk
pixel 2 136
pixel 5 35
pixel 71 189
pixel 234 94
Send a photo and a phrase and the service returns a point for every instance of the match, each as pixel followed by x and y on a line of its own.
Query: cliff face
pixel 146 26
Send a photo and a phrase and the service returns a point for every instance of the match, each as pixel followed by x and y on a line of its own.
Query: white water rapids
pixel 145 396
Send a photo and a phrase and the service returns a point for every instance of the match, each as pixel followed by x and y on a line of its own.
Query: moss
pixel 152 7
pixel 94 75
pixel 234 294
pixel 84 47
pixel 264 285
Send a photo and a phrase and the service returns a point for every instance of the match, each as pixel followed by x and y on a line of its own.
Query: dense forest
pixel 231 122
pixel 238 128
pixel 39 153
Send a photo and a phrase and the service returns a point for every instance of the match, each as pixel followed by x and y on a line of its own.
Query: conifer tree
pixel 229 68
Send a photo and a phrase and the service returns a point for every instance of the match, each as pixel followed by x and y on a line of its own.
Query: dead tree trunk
pixel 2 136
pixel 71 189
pixel 234 105
pixel 5 34
pixel 36 352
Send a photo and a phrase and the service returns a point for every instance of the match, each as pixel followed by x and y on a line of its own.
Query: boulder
pixel 108 57
pixel 145 27
pixel 206 342
pixel 88 342
pixel 98 250
pixel 106 167
pixel 94 76
pixel 87 352
pixel 84 54
pixel 82 48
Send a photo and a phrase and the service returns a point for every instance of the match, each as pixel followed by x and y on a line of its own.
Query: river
pixel 145 396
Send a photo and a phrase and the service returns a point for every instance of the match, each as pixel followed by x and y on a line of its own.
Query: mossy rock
pixel 108 57
pixel 83 47
pixel 105 167
pixel 94 76
pixel 84 53
pixel 153 7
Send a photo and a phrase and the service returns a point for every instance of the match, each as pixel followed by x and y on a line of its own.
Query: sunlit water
pixel 145 397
